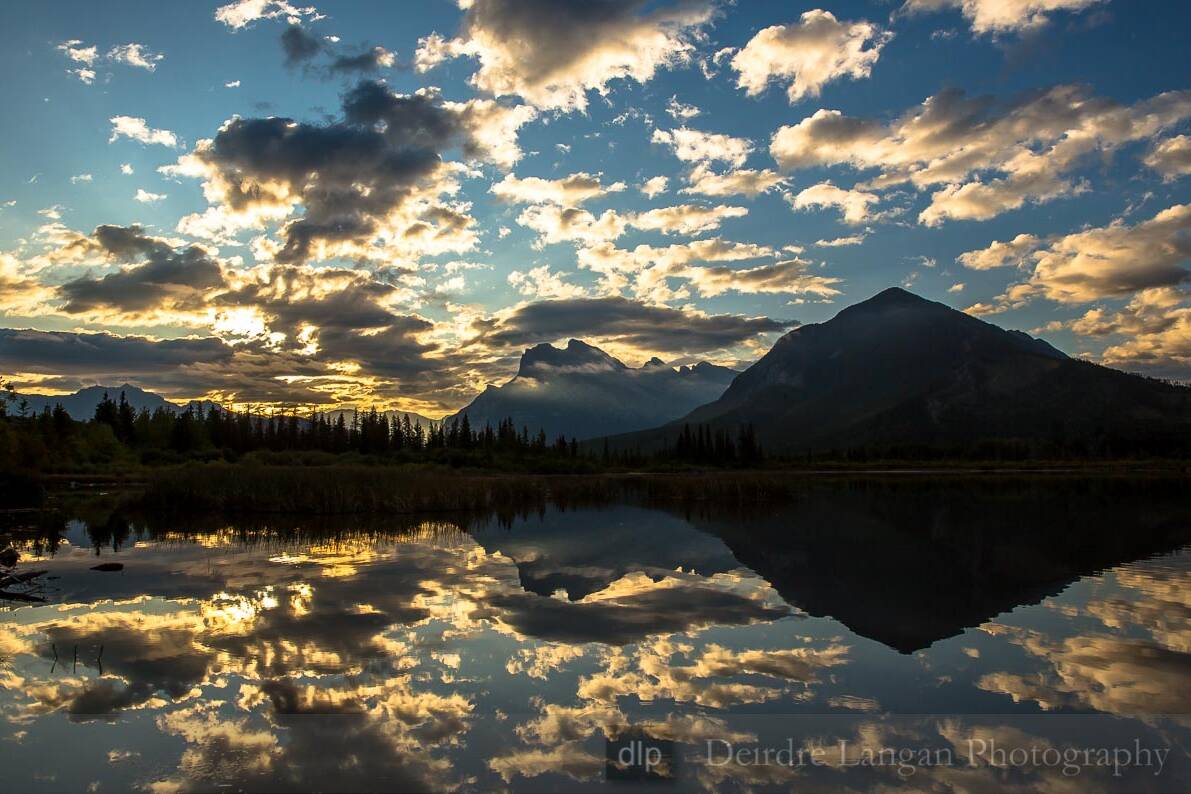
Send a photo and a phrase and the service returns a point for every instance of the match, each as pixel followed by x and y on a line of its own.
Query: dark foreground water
pixel 942 636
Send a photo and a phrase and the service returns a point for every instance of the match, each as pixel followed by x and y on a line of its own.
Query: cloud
pixel 1171 158
pixel 654 186
pixel 85 354
pixel 855 204
pixel 370 184
pixel 86 56
pixel 551 54
pixel 135 55
pixel 680 111
pixel 693 146
pixel 136 129
pixel 299 45
pixel 555 224
pixel 145 197
pixel 788 277
pixel 989 157
pixel 1002 16
pixel 20 291
pixel 126 169
pixel 628 322
pixel 166 283
pixel 1117 259
pixel 739 182
pixel 646 268
pixel 686 218
pixel 1110 261
pixel 76 51
pixel 241 13
pixel 74 180
pixel 840 242
pixel 1001 254
pixel 371 59
pixel 541 282
pixel 570 190
pixel 810 54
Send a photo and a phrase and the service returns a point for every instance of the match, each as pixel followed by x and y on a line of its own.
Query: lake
pixel 907 632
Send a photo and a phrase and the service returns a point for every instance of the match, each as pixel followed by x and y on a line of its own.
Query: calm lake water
pixel 942 635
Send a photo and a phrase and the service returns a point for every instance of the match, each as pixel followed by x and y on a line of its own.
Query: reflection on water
pixel 956 624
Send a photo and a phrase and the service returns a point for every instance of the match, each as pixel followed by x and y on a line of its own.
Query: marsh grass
pixel 339 490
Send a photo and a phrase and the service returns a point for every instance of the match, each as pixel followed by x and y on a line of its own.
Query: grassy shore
pixel 331 490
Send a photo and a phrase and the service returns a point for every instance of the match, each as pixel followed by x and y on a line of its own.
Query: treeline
pixel 118 434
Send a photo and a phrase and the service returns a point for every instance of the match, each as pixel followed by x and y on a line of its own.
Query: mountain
pixel 393 416
pixel 900 373
pixel 582 392
pixel 81 404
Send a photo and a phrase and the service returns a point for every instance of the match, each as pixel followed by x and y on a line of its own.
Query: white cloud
pixel 556 224
pixel 681 111
pixel 693 146
pixel 541 282
pixel 685 218
pixel 655 186
pixel 86 76
pixel 241 13
pixel 138 130
pixel 74 180
pixel 232 84
pixel 135 55
pixel 808 55
pixel 986 157
pixel 1171 157
pixel 645 269
pixel 740 182
pixel 854 204
pixel 786 277
pixel 126 169
pixel 570 190
pixel 998 254
pixel 77 52
pixel 1110 261
pixel 841 242
pixel 551 54
pixel 1003 16
pixel 145 197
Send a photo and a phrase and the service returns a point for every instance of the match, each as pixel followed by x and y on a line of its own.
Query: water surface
pixel 954 621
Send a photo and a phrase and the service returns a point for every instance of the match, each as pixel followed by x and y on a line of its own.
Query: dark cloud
pixel 350 175
pixel 63 353
pixel 167 281
pixel 299 46
pixel 642 325
pixel 372 59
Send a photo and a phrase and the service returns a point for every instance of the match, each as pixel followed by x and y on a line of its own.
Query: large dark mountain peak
pixel 580 391
pixel 899 372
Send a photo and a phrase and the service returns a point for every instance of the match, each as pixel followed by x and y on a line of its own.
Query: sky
pixel 362 203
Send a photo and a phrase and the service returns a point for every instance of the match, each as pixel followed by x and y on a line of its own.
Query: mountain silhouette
pixel 81 404
pixel 899 372
pixel 582 392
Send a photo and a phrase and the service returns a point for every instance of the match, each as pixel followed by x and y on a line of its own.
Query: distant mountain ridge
pixel 81 404
pixel 415 419
pixel 900 371
pixel 582 392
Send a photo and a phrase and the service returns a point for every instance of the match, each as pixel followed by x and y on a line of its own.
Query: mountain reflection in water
pixel 471 653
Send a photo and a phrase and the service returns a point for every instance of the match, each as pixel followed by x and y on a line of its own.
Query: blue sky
pixel 1059 126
